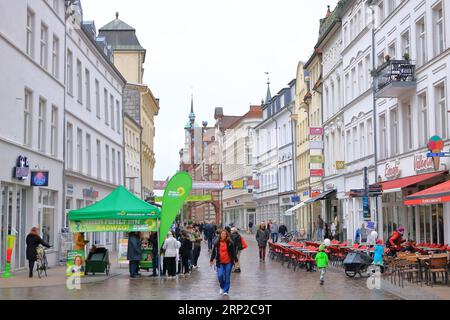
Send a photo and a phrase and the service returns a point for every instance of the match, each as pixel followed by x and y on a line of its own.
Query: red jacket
pixel 396 239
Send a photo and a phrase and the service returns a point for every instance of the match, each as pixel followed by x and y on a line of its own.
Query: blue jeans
pixel 134 267
pixel 224 275
pixel 274 237
pixel 210 242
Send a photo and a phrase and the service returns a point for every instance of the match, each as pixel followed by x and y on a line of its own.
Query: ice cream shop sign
pixel 422 163
pixel 392 169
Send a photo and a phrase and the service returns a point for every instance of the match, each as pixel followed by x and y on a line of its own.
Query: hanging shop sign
pixel 39 178
pixel 315 131
pixel 392 169
pixel 316 159
pixel 317 172
pixel 340 165
pixel 316 145
pixel 435 146
pixel 366 207
pixel 295 198
pixel 422 163
pixel 22 168
pixel 69 189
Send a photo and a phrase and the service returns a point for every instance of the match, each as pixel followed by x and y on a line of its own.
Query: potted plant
pixel 406 56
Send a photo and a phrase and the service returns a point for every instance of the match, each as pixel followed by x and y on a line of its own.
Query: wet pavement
pixel 258 281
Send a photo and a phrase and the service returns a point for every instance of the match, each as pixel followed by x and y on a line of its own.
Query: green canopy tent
pixel 120 211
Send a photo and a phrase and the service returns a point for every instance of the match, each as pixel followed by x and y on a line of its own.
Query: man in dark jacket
pixel 282 229
pixel 134 253
pixel 185 251
pixel 209 235
pixel 33 240
pixel 155 261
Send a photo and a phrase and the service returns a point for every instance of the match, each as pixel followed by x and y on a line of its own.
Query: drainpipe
pixel 276 138
pixel 64 125
pixel 294 152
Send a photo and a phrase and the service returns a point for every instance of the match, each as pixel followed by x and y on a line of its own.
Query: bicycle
pixel 41 262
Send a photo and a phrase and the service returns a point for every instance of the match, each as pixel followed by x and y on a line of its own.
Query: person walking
pixel 361 234
pixel 171 247
pixel 224 254
pixel 322 263
pixel 32 241
pixel 262 237
pixel 274 232
pixel 320 226
pixel 282 229
pixel 239 244
pixel 134 253
pixel 185 251
pixel 209 235
pixel 250 227
pixel 197 246
pixel 155 251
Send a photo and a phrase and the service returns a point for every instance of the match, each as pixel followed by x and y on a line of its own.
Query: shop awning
pixel 322 196
pixel 291 210
pixel 437 194
pixel 398 184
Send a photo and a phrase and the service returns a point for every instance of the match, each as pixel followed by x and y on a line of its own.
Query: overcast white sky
pixel 217 49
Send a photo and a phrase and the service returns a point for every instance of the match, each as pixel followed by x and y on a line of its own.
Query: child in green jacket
pixel 322 262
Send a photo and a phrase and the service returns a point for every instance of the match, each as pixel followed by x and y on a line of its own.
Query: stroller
pixel 98 261
pixel 357 263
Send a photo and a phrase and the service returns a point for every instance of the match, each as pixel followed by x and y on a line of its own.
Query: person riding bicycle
pixel 33 240
pixel 395 241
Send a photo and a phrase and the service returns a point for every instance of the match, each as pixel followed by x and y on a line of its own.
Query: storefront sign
pixel 340 165
pixel 316 145
pixel 315 131
pixel 39 178
pixel 317 172
pixel 238 184
pixel 22 168
pixel 422 163
pixel 435 146
pixel 316 159
pixel 90 193
pixel 366 207
pixel 113 225
pixel 295 198
pixel 392 170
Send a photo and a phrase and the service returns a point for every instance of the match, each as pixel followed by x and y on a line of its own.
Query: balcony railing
pixel 395 78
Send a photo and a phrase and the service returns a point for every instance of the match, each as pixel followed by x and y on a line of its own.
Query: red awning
pixel 437 194
pixel 408 181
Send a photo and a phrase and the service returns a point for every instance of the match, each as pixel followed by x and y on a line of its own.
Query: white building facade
pixel 94 141
pixel 416 38
pixel 31 130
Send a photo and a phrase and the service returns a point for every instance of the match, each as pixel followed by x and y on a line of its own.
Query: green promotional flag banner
pixel 175 194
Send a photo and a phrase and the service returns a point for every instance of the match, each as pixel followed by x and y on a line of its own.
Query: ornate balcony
pixel 395 78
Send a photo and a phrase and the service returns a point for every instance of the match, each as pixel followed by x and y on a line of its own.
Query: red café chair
pixel 343 244
pixel 355 246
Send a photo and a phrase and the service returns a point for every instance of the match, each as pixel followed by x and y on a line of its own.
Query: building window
pixel 394 131
pixel 423 114
pixel 108 172
pixel 105 97
pixel 47 200
pixel 406 42
pixel 27 117
pixel 69 72
pixel 438 22
pixel 30 33
pixel 381 15
pixel 69 142
pixel 369 136
pixel 361 78
pixel 119 168
pixel 88 154
pixel 113 157
pixel 97 98
pixel 390 6
pixel 408 126
pixel 441 111
pixel 55 57
pixel 42 124
pixel 421 42
pixel 349 146
pixel 111 106
pixel 392 52
pixel 118 117
pixel 79 82
pixel 87 82
pixel 56 5
pixel 383 140
pixel 380 58
pixel 44 46
pixel 54 132
pixel 347 88
pixel 355 143
pixel 80 149
pixel 99 160
pixel 362 142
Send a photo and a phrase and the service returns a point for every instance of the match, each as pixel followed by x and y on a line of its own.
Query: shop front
pixel 318 214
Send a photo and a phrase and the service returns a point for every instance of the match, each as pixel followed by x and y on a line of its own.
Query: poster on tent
pixel 75 263
pixel 119 225
pixel 122 252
